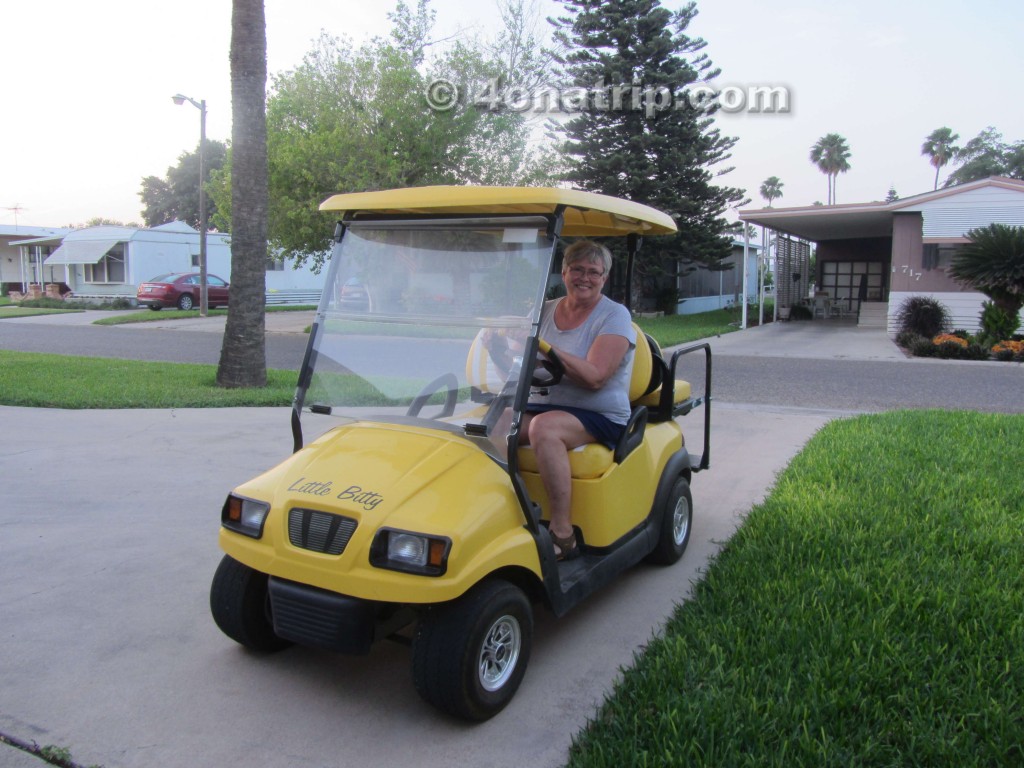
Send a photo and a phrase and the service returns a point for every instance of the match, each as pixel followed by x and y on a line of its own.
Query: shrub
pixel 975 351
pixel 43 303
pixel 996 324
pixel 923 348
pixel 923 315
pixel 950 350
pixel 907 339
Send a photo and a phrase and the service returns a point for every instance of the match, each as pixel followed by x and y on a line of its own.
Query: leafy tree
pixel 176 196
pixel 411 32
pixel 940 147
pixel 243 361
pixel 352 119
pixel 101 221
pixel 771 189
pixel 993 263
pixel 639 148
pixel 832 156
pixel 987 155
pixel 521 59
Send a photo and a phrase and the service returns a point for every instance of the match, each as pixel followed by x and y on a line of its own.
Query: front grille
pixel 319 531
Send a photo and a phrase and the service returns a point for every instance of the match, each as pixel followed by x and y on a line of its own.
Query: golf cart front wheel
pixel 470 655
pixel 240 604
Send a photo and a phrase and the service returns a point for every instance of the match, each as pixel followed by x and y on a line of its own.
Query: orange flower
pixel 942 338
pixel 1016 347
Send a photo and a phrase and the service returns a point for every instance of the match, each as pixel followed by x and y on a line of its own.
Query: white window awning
pixel 80 252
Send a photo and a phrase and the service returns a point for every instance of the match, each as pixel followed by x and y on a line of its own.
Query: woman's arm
pixel 602 360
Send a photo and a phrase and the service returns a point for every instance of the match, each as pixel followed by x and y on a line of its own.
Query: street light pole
pixel 179 99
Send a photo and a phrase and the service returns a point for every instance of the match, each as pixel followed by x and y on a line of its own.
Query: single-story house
pixel 109 262
pixel 870 257
pixel 21 266
pixel 703 290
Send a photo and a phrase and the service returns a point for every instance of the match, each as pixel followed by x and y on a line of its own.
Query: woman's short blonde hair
pixel 589 251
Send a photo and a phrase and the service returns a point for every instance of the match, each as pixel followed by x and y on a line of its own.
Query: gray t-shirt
pixel 607 318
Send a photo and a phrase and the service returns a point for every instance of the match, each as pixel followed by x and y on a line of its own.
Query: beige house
pixel 870 257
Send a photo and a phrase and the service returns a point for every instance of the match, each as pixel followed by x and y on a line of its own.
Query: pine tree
pixel 641 135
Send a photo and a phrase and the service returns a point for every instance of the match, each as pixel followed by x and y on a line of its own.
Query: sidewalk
pixel 818 339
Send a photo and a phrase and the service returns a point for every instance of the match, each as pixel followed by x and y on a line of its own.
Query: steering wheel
pixel 447 380
pixel 553 365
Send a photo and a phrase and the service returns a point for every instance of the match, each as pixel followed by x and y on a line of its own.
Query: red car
pixel 181 290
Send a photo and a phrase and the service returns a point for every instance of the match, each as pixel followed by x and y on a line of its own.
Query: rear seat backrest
pixel 647 373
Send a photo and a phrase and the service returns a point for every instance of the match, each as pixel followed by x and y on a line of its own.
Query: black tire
pixel 675 524
pixel 240 606
pixel 155 307
pixel 469 656
pixel 185 301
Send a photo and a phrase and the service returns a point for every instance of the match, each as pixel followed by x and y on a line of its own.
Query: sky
pixel 87 110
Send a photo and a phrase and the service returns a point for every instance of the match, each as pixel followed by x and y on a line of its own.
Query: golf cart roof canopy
pixel 587 214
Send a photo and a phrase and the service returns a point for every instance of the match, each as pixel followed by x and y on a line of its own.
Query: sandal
pixel 567 549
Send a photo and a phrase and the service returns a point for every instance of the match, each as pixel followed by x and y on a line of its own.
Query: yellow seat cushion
pixel 585 463
pixel 681 393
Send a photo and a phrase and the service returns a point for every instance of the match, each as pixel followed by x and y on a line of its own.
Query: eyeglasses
pixel 592 274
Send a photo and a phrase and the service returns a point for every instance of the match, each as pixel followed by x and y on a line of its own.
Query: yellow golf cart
pixel 417 514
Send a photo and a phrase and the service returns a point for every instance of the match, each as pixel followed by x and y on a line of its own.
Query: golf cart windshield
pixel 425 321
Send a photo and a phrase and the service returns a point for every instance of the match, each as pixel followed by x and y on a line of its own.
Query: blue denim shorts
pixel 599 426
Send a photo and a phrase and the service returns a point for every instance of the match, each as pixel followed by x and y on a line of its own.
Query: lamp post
pixel 179 99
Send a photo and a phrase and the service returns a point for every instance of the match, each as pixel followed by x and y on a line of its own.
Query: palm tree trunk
pixel 937 167
pixel 243 361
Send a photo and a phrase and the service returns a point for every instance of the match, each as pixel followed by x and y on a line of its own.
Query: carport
pixel 854 246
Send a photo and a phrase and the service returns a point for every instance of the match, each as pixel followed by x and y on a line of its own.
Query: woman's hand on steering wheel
pixel 551 363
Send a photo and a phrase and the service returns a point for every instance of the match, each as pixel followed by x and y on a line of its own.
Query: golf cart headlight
pixel 408 548
pixel 410 552
pixel 245 516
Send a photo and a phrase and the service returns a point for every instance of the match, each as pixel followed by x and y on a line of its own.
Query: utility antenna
pixel 16 208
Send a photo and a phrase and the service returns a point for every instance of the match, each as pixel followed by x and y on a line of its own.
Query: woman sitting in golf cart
pixel 593 337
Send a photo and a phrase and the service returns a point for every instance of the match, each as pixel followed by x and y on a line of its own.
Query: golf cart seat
pixel 649 401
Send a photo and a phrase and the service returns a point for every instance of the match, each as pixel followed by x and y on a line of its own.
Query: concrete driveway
pixel 108 543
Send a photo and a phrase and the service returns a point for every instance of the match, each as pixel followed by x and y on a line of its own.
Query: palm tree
pixel 771 189
pixel 940 147
pixel 993 263
pixel 832 155
pixel 243 359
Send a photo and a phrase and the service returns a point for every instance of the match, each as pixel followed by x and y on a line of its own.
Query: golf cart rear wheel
pixel 470 655
pixel 240 605
pixel 674 528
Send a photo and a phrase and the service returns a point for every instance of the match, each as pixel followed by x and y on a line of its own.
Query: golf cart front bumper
pixel 322 619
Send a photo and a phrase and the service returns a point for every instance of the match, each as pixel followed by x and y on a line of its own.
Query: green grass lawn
pixel 63 381
pixel 10 310
pixel 672 330
pixel 869 613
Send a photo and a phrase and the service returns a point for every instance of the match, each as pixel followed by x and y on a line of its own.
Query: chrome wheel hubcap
pixel 499 653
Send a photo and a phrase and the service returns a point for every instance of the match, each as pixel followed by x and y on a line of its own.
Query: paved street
pixel 811 365
pixel 108 541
